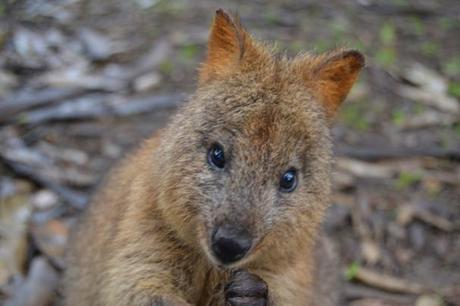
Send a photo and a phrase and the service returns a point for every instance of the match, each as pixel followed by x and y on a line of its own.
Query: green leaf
pixel 388 34
pixel 430 48
pixel 407 179
pixel 398 117
pixel 353 115
pixel 386 57
pixel 417 26
pixel 454 89
pixel 452 66
pixel 189 51
pixel 166 67
pixel 352 271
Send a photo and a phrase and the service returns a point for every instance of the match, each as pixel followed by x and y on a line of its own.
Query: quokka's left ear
pixel 229 48
pixel 332 77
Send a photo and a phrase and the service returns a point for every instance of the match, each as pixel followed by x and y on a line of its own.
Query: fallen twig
pixel 408 213
pixel 29 99
pixel 353 291
pixel 390 10
pixel 99 105
pixel 76 199
pixel 375 154
pixel 387 282
pixel 429 119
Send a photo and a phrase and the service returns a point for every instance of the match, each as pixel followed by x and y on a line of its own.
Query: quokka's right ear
pixel 333 75
pixel 229 44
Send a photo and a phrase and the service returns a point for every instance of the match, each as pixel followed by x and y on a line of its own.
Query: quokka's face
pixel 261 169
pixel 249 163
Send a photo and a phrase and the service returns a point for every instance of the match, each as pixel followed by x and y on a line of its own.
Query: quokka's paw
pixel 246 289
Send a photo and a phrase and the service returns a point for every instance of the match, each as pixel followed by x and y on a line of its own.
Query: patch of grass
pixel 350 42
pixel 454 89
pixel 457 129
pixel 407 179
pixel 399 2
pixel 433 188
pixel 271 17
pixel 447 23
pixel 322 45
pixel 188 51
pixel 430 48
pixel 387 34
pixel 398 117
pixel 417 26
pixel 352 271
pixel 452 66
pixel 339 30
pixel 296 46
pixel 166 67
pixel 353 115
pixel 386 56
pixel 172 7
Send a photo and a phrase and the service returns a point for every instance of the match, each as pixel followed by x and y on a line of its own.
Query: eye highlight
pixel 216 156
pixel 288 181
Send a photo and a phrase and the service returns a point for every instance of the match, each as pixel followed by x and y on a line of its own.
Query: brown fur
pixel 145 239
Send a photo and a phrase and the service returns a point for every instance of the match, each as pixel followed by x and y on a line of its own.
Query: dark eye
pixel 216 156
pixel 288 181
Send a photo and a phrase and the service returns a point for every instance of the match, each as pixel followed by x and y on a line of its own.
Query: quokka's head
pixel 245 164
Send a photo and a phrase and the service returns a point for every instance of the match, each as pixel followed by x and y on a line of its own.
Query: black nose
pixel 230 244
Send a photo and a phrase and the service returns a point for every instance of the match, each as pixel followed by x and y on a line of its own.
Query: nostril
pixel 230 244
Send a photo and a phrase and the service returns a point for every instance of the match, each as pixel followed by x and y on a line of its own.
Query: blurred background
pixel 82 82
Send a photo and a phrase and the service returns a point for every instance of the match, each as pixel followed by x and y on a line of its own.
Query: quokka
pixel 223 206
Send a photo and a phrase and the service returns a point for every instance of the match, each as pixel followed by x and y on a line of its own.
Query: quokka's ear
pixel 333 76
pixel 228 44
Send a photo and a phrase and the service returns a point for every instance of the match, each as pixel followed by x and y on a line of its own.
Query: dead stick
pixel 27 100
pixel 371 154
pixel 387 282
pixel 76 199
pixel 434 220
pixel 353 292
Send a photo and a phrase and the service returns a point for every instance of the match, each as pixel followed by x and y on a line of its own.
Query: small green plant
pixel 166 67
pixel 271 17
pixel 452 66
pixel 386 56
pixel 417 26
pixel 457 129
pixel 353 116
pixel 407 179
pixel 322 45
pixel 388 34
pixel 398 117
pixel 447 23
pixel 430 48
pixel 419 109
pixel 352 271
pixel 189 51
pixel 399 2
pixel 454 89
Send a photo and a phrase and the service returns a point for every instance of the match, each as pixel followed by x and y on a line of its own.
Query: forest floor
pixel 83 82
